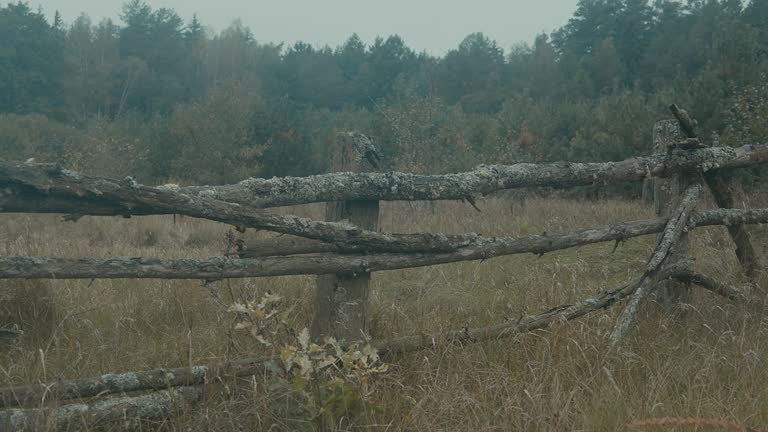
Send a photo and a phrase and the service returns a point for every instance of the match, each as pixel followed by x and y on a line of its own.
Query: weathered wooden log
pixel 481 181
pixel 33 185
pixel 126 382
pixel 128 412
pixel 512 328
pixel 725 196
pixel 341 300
pixel 668 194
pixel 283 246
pixel 217 268
pixel 710 284
pixel 674 230
pixel 291 245
pixel 50 186
pixel 164 378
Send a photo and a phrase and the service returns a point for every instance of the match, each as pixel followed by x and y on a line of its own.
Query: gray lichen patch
pixel 125 382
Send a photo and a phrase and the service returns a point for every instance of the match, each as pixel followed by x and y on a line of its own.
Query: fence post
pixel 720 184
pixel 666 196
pixel 341 303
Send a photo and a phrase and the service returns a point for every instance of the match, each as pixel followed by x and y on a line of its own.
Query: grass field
pixel 712 362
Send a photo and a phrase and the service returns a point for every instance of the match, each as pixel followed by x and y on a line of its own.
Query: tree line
pixel 163 98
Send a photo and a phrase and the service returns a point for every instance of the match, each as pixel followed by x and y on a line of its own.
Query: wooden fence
pixel 346 248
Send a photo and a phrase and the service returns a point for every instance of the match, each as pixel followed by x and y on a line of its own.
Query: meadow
pixel 708 362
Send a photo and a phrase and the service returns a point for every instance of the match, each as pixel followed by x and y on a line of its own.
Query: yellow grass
pixel 711 363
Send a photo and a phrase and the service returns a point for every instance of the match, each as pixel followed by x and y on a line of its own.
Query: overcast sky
pixel 432 25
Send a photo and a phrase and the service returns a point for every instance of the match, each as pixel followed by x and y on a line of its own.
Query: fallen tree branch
pixel 481 181
pixel 126 382
pixel 35 188
pixel 49 189
pixel 392 186
pixel 124 410
pixel 724 197
pixel 284 246
pixel 291 245
pixel 677 224
pixel 710 284
pixel 217 268
pixel 164 378
pixel 511 328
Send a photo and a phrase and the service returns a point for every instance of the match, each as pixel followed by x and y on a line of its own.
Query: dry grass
pixel 712 363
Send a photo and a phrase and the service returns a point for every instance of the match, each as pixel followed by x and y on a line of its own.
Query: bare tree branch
pixel 126 382
pixel 677 224
pixel 710 284
pixel 481 181
pixel 217 268
pixel 392 186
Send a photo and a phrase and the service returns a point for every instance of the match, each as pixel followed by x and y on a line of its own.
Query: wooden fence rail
pixel 478 248
pixel 346 248
pixel 46 188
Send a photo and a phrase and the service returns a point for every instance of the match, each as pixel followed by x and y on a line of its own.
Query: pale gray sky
pixel 432 25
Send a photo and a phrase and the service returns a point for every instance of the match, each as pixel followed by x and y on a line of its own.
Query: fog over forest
pixel 164 98
pixel 170 261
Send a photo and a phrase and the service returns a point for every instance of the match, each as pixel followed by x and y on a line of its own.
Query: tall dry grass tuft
pixel 712 362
